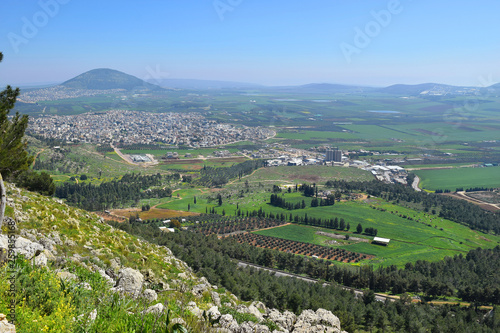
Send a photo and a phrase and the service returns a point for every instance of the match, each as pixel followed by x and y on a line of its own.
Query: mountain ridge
pixel 106 79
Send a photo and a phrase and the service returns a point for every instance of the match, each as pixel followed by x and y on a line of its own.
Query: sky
pixel 292 42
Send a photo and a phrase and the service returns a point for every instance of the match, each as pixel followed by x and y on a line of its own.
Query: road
pixel 415 184
pixel 357 292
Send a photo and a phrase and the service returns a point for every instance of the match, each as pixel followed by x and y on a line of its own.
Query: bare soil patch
pixel 153 213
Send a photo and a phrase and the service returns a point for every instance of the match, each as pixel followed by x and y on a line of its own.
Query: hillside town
pixel 132 127
pixel 59 92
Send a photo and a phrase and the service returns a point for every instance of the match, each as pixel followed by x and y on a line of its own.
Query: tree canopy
pixel 13 154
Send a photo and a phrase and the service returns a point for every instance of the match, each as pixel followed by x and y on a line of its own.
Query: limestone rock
pixel 254 311
pixel 26 247
pixel 215 298
pixel 328 318
pixel 54 236
pixel 228 323
pixel 319 321
pixel 41 260
pixel 213 312
pixel 149 275
pixel 199 289
pixel 150 295
pixel 259 305
pixel 193 308
pixel 156 309
pixel 130 281
pixel 48 244
pixel 115 264
pixel 67 276
pixel 285 320
pixel 106 277
pixel 5 326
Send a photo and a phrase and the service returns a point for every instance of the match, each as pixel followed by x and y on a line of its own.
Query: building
pixel 381 241
pixel 333 155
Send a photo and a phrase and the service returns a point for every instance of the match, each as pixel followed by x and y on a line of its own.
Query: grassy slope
pixel 97 243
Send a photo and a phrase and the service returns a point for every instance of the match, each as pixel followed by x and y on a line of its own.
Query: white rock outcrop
pixel 130 281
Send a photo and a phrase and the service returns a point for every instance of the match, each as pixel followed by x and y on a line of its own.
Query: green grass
pixel 421 238
pixel 451 179
pixel 410 240
pixel 307 174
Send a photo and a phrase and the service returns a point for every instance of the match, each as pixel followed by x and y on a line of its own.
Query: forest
pixel 212 258
pixel 127 190
pixel 217 177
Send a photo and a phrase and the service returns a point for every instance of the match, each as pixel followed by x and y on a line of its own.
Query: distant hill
pixel 105 79
pixel 202 84
pixel 418 89
pixel 321 88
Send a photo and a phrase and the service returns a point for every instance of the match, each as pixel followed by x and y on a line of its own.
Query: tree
pixel 359 228
pixel 13 154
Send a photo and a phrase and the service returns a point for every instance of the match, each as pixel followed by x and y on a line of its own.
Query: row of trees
pixel 217 177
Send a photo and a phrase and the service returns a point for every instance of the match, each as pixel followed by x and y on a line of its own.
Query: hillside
pixel 105 79
pixel 82 275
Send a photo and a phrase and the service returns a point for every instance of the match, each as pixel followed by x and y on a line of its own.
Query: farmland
pixel 450 179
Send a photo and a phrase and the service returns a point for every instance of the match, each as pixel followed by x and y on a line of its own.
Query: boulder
pixel 215 298
pixel 5 326
pixel 155 309
pixel 193 308
pixel 48 244
pixel 27 248
pixel 149 275
pixel 199 289
pixel 228 323
pixel 249 327
pixel 130 281
pixel 328 318
pixel 41 260
pixel 213 312
pixel 103 274
pixel 285 320
pixel 319 321
pixel 149 295
pixel 254 311
pixel 259 305
pixel 67 276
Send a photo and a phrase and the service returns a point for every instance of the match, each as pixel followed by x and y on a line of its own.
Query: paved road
pixel 415 184
pixel 358 293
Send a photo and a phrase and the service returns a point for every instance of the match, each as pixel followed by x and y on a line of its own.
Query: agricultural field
pixel 195 153
pixel 300 248
pixel 451 179
pixel 308 174
pixel 426 236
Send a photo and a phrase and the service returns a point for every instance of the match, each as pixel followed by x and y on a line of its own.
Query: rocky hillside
pixel 69 271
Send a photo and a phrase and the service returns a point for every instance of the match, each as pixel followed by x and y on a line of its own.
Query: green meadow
pixel 410 240
pixel 450 179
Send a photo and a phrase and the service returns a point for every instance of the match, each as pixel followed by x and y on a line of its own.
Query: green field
pixel 308 174
pixel 410 240
pixel 450 179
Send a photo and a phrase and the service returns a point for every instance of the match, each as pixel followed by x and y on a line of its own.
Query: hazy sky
pixel 269 42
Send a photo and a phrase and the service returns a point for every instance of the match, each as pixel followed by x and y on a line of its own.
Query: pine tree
pixel 13 154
